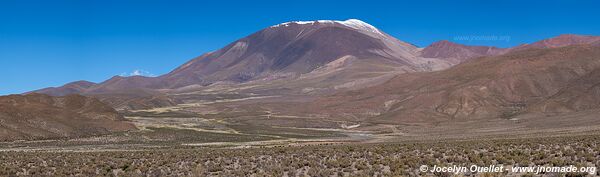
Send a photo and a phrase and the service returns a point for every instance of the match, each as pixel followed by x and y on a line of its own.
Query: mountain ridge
pixel 291 48
pixel 443 49
pixel 316 57
pixel 522 82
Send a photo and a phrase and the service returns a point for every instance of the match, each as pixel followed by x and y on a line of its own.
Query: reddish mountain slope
pixel 315 57
pixel 488 87
pixel 581 94
pixel 38 116
pixel 458 53
pixel 561 41
pixel 132 99
pixel 67 89
pixel 295 47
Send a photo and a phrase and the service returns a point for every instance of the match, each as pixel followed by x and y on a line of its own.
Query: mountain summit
pixel 352 23
pixel 298 57
pixel 288 50
pixel 294 48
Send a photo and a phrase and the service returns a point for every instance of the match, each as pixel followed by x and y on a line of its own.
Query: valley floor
pixel 231 138
pixel 345 159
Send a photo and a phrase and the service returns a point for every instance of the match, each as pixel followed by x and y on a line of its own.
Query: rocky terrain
pixel 38 116
pixel 561 41
pixel 528 81
pixel 457 53
pixel 67 89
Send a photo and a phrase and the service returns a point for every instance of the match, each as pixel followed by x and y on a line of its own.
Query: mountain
pixel 132 99
pixel 580 95
pixel 67 89
pixel 39 116
pixel 296 48
pixel 561 41
pixel 458 53
pixel 563 79
pixel 309 58
pixel 286 50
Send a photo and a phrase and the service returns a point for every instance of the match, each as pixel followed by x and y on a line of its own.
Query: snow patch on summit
pixel 304 23
pixel 352 23
pixel 360 25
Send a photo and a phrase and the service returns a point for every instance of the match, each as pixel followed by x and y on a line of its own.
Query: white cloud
pixel 137 72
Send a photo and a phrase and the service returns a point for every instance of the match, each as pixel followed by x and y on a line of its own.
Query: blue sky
pixel 49 43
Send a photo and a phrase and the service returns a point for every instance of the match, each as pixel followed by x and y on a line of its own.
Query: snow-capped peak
pixel 352 23
pixel 360 25
pixel 304 22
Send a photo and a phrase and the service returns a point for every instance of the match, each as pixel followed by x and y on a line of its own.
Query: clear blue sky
pixel 48 43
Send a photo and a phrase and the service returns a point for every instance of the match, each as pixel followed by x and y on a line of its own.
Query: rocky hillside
pixel 533 80
pixel 38 116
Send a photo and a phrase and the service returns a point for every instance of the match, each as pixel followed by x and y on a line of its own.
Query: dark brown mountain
pixel 535 80
pixel 38 116
pixel 457 52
